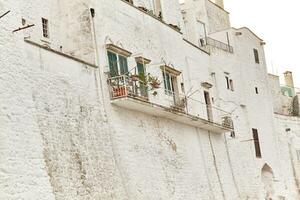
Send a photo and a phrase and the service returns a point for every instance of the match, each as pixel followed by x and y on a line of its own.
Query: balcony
pixel 133 94
pixel 206 42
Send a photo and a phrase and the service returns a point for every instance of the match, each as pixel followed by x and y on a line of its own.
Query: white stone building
pixel 83 116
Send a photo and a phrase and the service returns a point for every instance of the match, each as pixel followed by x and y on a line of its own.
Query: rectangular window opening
pixel 45 24
pixel 256 56
pixel 169 81
pixel 256 143
pixel 229 83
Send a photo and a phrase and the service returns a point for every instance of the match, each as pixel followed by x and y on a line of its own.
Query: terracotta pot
pixel 155 85
pixel 135 78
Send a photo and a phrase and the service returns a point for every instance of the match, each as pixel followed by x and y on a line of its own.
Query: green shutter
pixel 123 65
pixel 141 71
pixel 113 64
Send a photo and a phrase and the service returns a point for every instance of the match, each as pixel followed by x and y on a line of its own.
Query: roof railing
pixel 215 43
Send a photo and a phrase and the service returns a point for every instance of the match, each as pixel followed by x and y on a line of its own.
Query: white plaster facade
pixel 62 137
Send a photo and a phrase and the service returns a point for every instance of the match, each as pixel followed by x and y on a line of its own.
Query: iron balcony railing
pixel 125 86
pixel 215 43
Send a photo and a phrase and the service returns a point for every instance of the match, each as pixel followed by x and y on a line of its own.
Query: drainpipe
pixel 104 108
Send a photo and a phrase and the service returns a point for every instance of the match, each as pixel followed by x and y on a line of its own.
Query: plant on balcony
pixel 154 82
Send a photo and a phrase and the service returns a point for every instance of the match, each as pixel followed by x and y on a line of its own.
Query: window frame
pixel 169 80
pixel 121 64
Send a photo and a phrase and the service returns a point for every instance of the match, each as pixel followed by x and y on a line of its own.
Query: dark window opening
pixel 229 83
pixel 208 106
pixel 232 134
pixel 256 56
pixel 256 143
pixel 45 24
pixel 256 90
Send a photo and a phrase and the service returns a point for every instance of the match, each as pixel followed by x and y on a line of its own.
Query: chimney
pixel 219 3
pixel 289 82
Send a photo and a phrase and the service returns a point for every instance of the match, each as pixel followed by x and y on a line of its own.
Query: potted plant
pixel 154 82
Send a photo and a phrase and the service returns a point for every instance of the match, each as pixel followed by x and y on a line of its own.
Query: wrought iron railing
pixel 130 86
pixel 215 43
pixel 123 86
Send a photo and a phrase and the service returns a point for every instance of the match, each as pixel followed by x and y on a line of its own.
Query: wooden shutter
pixel 113 64
pixel 123 65
pixel 141 69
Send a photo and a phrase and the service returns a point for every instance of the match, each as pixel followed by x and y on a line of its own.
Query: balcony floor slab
pixel 146 107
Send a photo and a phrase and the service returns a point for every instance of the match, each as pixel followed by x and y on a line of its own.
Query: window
pixel 23 21
pixel 45 24
pixel 256 143
pixel 256 90
pixel 169 81
pixel 256 56
pixel 229 83
pixel 141 70
pixel 118 64
pixel 232 134
pixel 123 65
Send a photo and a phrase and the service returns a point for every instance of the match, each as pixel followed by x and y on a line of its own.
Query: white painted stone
pixel 61 138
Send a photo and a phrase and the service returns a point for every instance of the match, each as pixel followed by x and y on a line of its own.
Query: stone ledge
pixel 27 40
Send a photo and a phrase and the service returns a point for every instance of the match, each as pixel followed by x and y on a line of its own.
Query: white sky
pixel 277 22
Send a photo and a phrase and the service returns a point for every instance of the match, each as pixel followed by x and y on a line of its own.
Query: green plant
pixel 153 81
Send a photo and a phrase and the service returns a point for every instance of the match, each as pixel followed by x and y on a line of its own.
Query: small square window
pixel 45 24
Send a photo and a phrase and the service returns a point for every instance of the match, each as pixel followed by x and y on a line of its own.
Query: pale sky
pixel 277 22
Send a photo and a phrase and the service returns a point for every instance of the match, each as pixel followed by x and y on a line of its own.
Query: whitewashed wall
pixel 61 138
